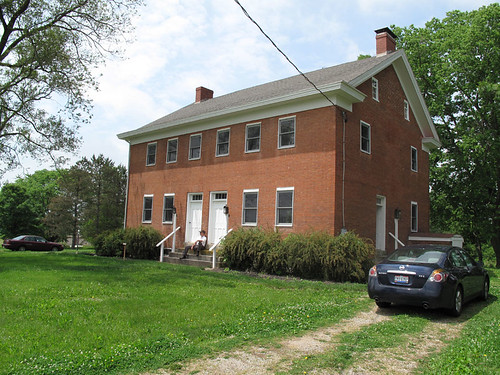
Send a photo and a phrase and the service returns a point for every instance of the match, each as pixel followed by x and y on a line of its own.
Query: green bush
pixel 141 242
pixel 315 255
pixel 110 243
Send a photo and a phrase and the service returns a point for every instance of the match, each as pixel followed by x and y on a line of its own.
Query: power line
pixel 280 51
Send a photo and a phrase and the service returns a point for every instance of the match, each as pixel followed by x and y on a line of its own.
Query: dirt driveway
pixel 259 360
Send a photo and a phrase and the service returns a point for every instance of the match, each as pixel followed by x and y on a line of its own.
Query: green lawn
pixel 67 313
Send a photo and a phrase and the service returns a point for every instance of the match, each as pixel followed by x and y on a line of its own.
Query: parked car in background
pixel 430 276
pixel 29 242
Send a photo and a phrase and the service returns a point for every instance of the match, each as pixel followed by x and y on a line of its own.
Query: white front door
pixel 380 223
pixel 217 223
pixel 193 217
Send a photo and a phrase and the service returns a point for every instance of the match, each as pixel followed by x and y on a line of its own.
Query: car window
pixel 468 259
pixel 18 238
pixel 29 238
pixel 456 259
pixel 417 255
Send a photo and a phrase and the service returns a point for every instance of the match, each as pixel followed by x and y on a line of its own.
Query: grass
pixel 68 313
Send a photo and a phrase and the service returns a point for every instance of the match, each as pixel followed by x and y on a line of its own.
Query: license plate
pixel 401 279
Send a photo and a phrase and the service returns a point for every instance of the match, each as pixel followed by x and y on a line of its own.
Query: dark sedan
pixel 27 242
pixel 430 276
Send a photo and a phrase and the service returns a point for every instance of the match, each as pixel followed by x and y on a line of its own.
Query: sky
pixel 183 44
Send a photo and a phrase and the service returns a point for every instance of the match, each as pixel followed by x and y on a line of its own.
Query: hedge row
pixel 316 255
pixel 140 242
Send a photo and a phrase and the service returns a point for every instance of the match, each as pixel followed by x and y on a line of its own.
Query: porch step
pixel 204 260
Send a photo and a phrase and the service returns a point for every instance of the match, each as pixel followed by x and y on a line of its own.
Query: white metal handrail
pixel 214 257
pixel 162 243
pixel 397 239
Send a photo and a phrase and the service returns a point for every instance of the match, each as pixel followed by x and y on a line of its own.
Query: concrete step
pixel 203 260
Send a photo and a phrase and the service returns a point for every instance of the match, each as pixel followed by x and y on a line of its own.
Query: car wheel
pixel 55 248
pixel 383 304
pixel 21 248
pixel 486 289
pixel 458 302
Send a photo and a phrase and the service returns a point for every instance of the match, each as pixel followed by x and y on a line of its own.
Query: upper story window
pixel 284 206
pixel 151 154
pixel 406 110
pixel 252 135
pixel 172 150
pixel 286 136
pixel 375 89
pixel 222 147
pixel 168 208
pixel 195 147
pixel 414 217
pixel 414 159
pixel 147 209
pixel 365 138
pixel 250 204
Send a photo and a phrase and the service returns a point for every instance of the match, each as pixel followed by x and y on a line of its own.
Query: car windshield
pixel 19 238
pixel 417 255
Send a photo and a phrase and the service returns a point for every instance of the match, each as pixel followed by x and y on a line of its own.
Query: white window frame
pixel 176 150
pixel 228 130
pixel 279 190
pixel 280 146
pixel 146 196
pixel 361 125
pixel 250 224
pixel 375 90
pixel 413 159
pixel 414 218
pixel 155 144
pixel 190 141
pixel 163 211
pixel 255 124
pixel 406 110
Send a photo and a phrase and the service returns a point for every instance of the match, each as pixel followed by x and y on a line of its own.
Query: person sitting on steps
pixel 198 245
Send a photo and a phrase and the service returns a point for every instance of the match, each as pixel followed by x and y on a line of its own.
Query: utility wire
pixel 280 51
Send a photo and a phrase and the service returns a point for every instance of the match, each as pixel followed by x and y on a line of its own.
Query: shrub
pixel 316 255
pixel 141 242
pixel 109 243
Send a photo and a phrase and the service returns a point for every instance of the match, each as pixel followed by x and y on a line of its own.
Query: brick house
pixel 280 155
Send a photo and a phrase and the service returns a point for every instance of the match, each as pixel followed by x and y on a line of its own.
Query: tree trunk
pixel 495 242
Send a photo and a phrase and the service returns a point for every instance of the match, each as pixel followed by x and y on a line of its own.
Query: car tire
pixel 458 302
pixel 383 305
pixel 55 248
pixel 486 289
pixel 21 248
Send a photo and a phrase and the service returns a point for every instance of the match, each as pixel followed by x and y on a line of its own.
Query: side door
pixel 194 217
pixel 217 224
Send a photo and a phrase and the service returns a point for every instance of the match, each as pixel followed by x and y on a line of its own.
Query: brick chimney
pixel 386 41
pixel 203 94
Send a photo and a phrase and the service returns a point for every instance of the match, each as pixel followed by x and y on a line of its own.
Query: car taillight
pixel 373 272
pixel 438 276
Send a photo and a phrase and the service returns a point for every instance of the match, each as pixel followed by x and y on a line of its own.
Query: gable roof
pixel 338 83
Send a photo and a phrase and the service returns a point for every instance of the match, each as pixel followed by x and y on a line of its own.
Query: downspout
pixel 126 191
pixel 344 120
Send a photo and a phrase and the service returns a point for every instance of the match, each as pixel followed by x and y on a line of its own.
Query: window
pixel 284 206
pixel 414 159
pixel 375 89
pixel 222 147
pixel 414 217
pixel 151 154
pixel 172 150
pixel 406 110
pixel 195 147
pixel 286 136
pixel 252 143
pixel 168 208
pixel 147 209
pixel 365 137
pixel 250 204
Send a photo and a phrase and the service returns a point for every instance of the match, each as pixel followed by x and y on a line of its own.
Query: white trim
pixel 406 110
pixel 411 217
pixel 163 207
pixel 243 208
pixel 147 153
pixel 361 123
pixel 189 148
pixel 246 136
pixel 292 189
pixel 435 239
pixel 143 204
pixel 217 142
pixel 375 86
pixel 411 159
pixel 294 131
pixel 176 152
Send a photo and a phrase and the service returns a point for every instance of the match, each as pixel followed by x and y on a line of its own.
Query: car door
pixel 475 273
pixel 461 271
pixel 30 243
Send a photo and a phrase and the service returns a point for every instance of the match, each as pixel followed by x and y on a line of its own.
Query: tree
pixel 24 203
pixel 456 62
pixel 47 51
